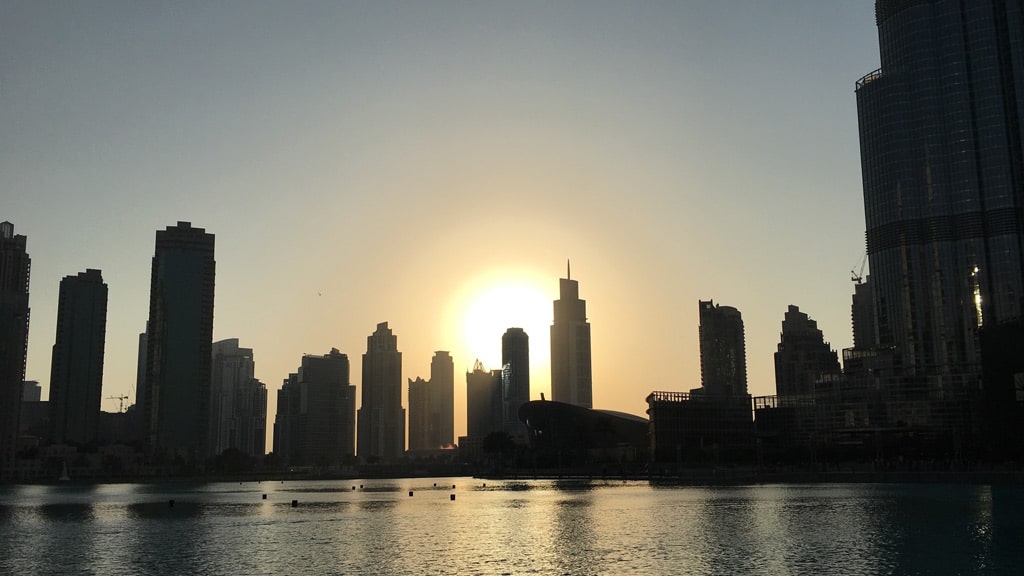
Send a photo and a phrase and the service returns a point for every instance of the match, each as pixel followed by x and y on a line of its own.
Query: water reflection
pixel 574 536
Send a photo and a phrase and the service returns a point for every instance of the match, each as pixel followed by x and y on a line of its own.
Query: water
pixel 525 527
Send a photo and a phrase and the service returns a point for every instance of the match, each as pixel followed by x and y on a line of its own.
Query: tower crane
pixel 120 399
pixel 858 276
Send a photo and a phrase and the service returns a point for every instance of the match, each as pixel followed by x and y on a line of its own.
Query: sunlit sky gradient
pixel 381 161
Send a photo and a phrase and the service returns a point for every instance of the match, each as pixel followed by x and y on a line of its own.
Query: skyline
pixel 371 164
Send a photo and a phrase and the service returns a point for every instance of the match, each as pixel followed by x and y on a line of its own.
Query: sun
pixel 502 304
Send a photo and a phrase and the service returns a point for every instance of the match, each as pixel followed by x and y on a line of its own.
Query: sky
pixel 435 164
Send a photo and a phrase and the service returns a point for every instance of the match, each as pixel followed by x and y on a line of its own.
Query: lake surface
pixel 510 527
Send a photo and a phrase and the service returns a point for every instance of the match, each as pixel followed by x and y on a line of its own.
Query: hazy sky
pixel 381 161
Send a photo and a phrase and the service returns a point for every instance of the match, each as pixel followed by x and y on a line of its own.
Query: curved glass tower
pixel 943 174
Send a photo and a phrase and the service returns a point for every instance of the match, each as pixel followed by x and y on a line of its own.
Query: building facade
pixel 571 380
pixel 15 267
pixel 76 369
pixel 483 401
pixel 941 130
pixel 238 401
pixel 723 353
pixel 176 415
pixel 381 417
pixel 432 406
pixel 316 409
pixel 803 356
pixel 515 379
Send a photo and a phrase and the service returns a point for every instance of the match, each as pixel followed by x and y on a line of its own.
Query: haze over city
pixel 434 165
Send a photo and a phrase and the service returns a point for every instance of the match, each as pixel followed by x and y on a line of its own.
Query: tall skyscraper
pixel 941 132
pixel 381 417
pixel 723 353
pixel 483 401
pixel 515 379
pixel 316 411
pixel 432 406
pixel 238 401
pixel 570 347
pixel 180 340
pixel 442 397
pixel 14 316
pixel 803 356
pixel 76 370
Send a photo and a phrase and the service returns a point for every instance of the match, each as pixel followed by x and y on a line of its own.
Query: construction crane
pixel 120 399
pixel 858 277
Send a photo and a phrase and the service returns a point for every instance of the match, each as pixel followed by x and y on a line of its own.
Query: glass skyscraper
pixel 943 175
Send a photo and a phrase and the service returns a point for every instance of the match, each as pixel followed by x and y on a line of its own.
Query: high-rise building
pixel 180 338
pixel 76 370
pixel 442 397
pixel 723 353
pixel 862 315
pixel 316 409
pixel 942 158
pixel 515 379
pixel 381 418
pixel 14 317
pixel 432 406
pixel 238 401
pixel 140 372
pixel 483 401
pixel 570 347
pixel 419 414
pixel 803 356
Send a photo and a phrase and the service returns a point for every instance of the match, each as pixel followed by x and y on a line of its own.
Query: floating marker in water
pixel 353 487
pixel 264 496
pixel 453 486
pixel 410 493
pixel 295 503
pixel 170 503
pixel 452 498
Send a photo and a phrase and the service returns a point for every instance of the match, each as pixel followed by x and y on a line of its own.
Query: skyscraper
pixel 238 401
pixel 570 347
pixel 316 410
pixel 941 131
pixel 381 418
pixel 515 379
pixel 803 356
pixel 14 316
pixel 723 355
pixel 442 397
pixel 432 406
pixel 76 370
pixel 483 401
pixel 180 340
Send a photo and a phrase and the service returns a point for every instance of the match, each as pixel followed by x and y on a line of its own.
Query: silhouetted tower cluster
pixel 316 410
pixel 432 406
pixel 238 401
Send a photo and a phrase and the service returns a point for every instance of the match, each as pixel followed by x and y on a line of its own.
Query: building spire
pixel 568 276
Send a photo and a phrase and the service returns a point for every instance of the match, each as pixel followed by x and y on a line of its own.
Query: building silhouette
pixel 238 401
pixel 571 380
pixel 941 130
pixel 803 356
pixel 15 266
pixel 381 418
pixel 483 402
pixel 515 379
pixel 862 316
pixel 316 409
pixel 176 415
pixel 432 406
pixel 723 356
pixel 76 370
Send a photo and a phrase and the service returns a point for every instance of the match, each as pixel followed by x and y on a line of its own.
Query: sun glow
pixel 496 306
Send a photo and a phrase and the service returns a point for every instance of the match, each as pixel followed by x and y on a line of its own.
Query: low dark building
pixel 700 430
pixel 562 434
